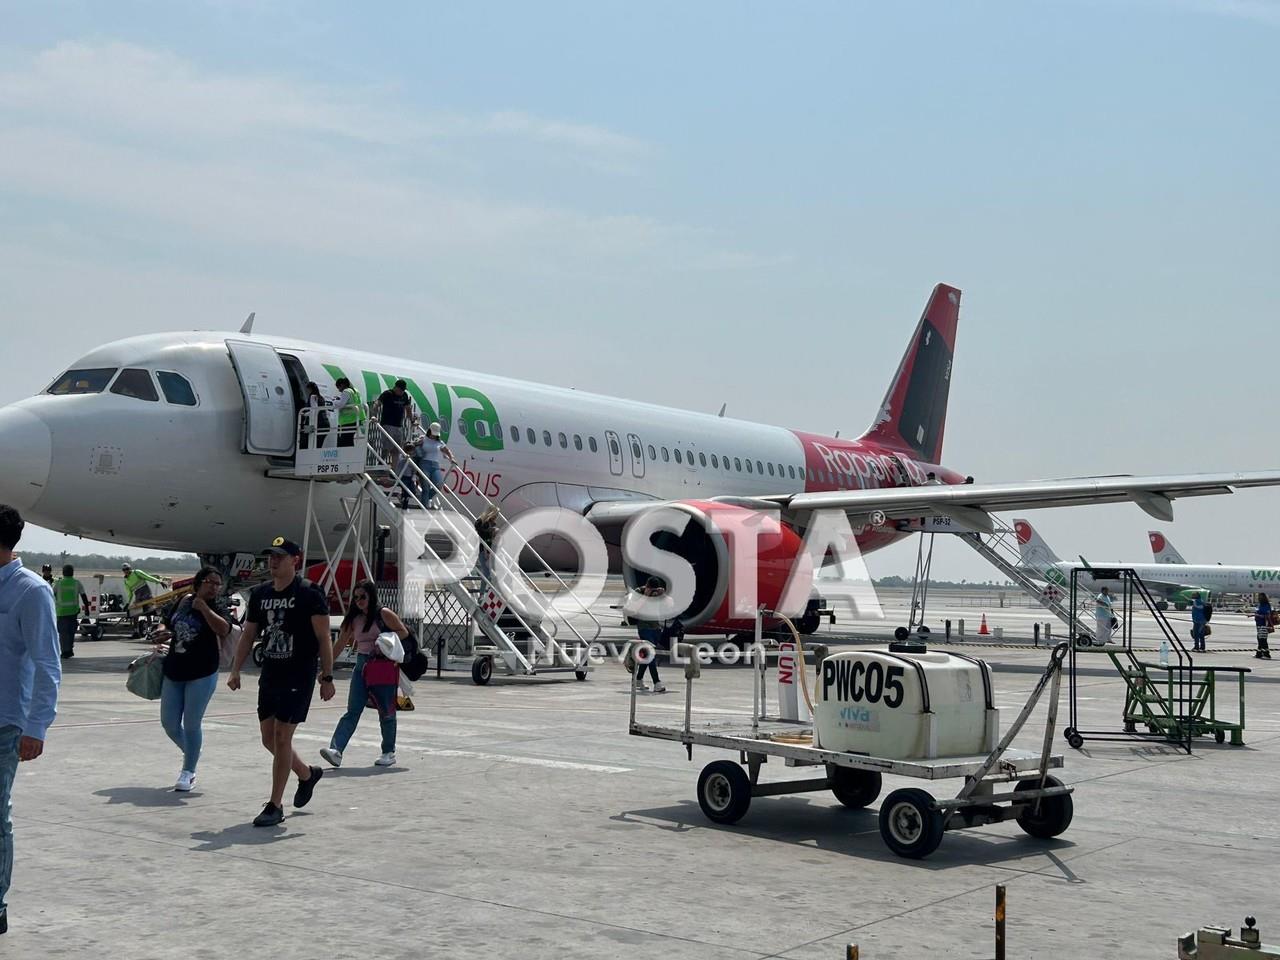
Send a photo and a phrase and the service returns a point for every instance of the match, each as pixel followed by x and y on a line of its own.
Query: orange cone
pixel 982 629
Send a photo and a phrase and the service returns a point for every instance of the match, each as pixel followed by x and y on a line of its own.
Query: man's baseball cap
pixel 284 547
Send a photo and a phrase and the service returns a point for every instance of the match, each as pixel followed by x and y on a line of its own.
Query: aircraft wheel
pixel 1055 812
pixel 724 791
pixel 909 824
pixel 808 623
pixel 854 788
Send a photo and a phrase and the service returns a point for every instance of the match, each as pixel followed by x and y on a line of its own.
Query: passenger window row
pixel 132 382
pixel 683 457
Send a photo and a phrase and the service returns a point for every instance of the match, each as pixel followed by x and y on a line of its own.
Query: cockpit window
pixel 93 380
pixel 176 388
pixel 136 383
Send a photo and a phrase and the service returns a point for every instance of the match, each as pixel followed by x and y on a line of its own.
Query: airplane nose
pixel 26 453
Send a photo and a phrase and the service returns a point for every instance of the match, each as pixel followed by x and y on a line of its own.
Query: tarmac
pixel 523 821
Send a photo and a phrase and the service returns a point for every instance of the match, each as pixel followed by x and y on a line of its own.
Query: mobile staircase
pixel 1173 699
pixel 433 529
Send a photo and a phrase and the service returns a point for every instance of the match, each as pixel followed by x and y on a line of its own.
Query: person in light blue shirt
pixel 30 671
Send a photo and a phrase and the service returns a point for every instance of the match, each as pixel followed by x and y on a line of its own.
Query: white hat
pixel 433 428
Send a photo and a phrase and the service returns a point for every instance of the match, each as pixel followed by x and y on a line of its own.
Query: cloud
pixel 262 160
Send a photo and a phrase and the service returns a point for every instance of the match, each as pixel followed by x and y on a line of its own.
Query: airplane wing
pixel 971 504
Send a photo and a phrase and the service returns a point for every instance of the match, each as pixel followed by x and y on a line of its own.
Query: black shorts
pixel 285 699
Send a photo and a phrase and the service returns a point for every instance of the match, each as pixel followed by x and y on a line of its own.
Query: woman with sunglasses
pixel 363 623
pixel 197 627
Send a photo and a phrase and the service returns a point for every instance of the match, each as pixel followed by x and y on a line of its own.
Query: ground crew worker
pixel 347 403
pixel 137 586
pixel 1199 622
pixel 1104 618
pixel 68 599
pixel 46 573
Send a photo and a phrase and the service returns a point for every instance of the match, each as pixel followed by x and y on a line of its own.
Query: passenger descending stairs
pixel 552 641
pixel 1000 549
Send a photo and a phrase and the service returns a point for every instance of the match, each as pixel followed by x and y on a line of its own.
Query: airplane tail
pixel 1035 553
pixel 914 413
pixel 1162 549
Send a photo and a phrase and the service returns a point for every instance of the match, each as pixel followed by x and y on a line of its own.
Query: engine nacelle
pixel 710 542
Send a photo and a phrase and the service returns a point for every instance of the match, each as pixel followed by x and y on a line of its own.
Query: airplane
pixel 182 441
pixel 1162 550
pixel 1177 581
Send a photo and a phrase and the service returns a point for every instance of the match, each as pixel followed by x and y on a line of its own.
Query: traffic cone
pixel 982 629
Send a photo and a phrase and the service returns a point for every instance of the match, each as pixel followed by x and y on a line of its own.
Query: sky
pixel 691 204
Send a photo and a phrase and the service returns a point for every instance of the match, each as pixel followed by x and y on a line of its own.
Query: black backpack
pixel 415 662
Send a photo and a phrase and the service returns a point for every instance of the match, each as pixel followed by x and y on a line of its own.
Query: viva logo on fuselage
pixel 439 407
pixel 1272 575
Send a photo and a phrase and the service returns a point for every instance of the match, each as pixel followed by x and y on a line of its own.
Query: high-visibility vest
pixel 353 413
pixel 66 596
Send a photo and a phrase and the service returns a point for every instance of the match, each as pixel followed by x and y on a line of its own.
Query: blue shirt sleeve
pixel 39 630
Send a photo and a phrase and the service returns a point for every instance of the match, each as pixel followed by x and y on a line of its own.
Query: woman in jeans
pixel 196 626
pixel 361 626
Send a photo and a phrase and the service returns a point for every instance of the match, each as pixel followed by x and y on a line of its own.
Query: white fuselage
pixel 1176 577
pixel 157 474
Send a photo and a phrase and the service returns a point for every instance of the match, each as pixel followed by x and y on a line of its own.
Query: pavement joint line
pixel 964 893
pixel 226 852
pixel 551 762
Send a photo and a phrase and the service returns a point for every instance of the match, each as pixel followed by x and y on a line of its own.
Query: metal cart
pixel 912 821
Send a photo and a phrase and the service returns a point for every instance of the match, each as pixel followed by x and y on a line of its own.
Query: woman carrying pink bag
pixel 376 677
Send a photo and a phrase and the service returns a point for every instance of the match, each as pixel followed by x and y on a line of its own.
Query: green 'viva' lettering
pixel 441 409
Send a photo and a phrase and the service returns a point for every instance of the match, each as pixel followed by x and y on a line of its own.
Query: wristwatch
pixel 328 678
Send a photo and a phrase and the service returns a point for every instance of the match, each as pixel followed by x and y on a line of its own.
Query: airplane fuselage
pixel 175 476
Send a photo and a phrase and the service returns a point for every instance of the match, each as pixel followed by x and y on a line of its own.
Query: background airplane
pixel 1162 550
pixel 1177 581
pixel 184 441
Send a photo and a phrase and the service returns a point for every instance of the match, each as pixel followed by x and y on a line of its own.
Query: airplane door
pixel 269 415
pixel 615 452
pixel 637 455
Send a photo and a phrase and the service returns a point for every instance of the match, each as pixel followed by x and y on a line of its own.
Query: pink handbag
pixel 381 672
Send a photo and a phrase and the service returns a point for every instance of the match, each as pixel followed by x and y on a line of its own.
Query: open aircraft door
pixel 269 415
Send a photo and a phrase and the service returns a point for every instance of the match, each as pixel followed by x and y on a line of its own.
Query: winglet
pixel 247 326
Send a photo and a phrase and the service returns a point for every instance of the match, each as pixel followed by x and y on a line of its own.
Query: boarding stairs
pixel 1000 549
pixel 523 630
pixel 1175 699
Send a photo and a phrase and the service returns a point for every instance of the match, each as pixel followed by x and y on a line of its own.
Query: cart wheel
pixel 909 824
pixel 1055 812
pixel 482 670
pixel 854 788
pixel 724 791
pixel 1075 740
pixel 901 633
pixel 259 654
pixel 1220 736
pixel 580 674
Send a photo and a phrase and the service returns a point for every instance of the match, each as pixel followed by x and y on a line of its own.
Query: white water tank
pixel 905 705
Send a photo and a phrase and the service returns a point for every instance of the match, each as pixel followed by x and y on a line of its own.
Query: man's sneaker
pixel 386 760
pixel 270 816
pixel 186 780
pixel 332 756
pixel 307 787
pixel 659 688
